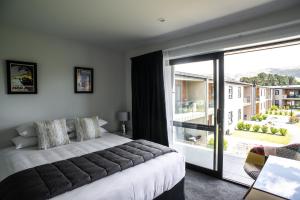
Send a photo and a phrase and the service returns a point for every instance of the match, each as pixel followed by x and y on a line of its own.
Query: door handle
pixel 218 116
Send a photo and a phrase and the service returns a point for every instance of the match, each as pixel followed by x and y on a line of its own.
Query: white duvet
pixel 145 181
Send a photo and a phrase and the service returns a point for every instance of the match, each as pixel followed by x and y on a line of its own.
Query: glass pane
pixel 194 93
pixel 261 93
pixel 196 145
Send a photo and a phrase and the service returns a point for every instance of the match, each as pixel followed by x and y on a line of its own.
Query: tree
pixel 265 79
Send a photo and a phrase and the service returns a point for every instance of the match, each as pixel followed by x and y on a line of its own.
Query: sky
pixel 251 63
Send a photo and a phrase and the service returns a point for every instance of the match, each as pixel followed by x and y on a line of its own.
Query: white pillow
pixel 52 133
pixel 101 122
pixel 87 128
pixel 26 130
pixel 22 142
pixel 70 125
pixel 103 130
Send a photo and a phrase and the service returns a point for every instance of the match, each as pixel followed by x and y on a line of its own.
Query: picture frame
pixel 83 80
pixel 21 77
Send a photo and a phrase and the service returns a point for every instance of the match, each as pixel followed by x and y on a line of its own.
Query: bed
pixel 156 178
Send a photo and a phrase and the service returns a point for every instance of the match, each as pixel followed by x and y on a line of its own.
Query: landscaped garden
pixel 263 127
pixel 263 137
pixel 265 133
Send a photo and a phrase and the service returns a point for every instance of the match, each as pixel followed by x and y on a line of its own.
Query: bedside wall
pixel 56 59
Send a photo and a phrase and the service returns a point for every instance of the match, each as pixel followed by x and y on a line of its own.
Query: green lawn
pixel 262 137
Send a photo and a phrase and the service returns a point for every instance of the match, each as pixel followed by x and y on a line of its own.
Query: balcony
pixel 296 96
pixel 189 106
pixel 189 110
pixel 211 104
pixel 247 100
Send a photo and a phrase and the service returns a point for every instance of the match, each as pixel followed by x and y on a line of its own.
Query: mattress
pixel 144 181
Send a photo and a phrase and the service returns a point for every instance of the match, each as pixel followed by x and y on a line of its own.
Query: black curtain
pixel 148 98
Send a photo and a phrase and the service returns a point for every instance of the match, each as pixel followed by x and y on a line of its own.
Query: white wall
pixel 233 105
pixel 56 59
pixel 273 26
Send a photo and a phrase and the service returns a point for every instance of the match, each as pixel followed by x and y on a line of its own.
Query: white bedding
pixel 145 181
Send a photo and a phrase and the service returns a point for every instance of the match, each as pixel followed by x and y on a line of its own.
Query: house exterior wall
pixel 234 107
pixel 287 96
pixel 248 102
pixel 278 97
pixel 263 99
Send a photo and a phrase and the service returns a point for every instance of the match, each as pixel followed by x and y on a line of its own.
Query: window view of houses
pixel 262 104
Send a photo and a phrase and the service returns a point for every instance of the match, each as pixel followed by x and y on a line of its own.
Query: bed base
pixel 176 193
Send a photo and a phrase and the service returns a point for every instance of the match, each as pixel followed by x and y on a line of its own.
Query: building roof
pixel 190 76
pixel 285 87
pixel 197 76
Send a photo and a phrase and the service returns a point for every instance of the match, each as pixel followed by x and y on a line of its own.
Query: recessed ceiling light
pixel 161 19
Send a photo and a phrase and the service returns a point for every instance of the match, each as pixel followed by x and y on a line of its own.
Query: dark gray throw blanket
pixel 49 180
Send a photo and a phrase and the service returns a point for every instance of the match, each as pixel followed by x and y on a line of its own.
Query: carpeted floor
pixel 199 186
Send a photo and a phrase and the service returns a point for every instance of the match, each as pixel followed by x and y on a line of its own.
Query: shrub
pixel 254 118
pixel 283 131
pixel 211 143
pixel 264 128
pixel 274 107
pixel 286 112
pixel 293 113
pixel 293 119
pixel 275 113
pixel 274 130
pixel 260 118
pixel 264 117
pixel 256 128
pixel 270 111
pixel 247 127
pixel 267 112
pixel 240 125
pixel 225 144
pixel 280 112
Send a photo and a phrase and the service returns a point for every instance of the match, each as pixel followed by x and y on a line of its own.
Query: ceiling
pixel 123 24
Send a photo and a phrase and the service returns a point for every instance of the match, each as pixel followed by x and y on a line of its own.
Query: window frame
pixel 230 117
pixel 230 92
pixel 239 114
pixel 239 92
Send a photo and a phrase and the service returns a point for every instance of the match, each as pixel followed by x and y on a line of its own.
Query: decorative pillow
pixel 70 125
pixel 87 128
pixel 72 135
pixel 103 130
pixel 22 142
pixel 52 133
pixel 26 130
pixel 101 122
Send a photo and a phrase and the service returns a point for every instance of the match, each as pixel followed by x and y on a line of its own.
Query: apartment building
pixel 264 96
pixel 238 101
pixel 194 102
pixel 288 95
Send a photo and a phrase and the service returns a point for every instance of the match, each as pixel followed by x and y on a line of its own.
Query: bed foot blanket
pixel 49 180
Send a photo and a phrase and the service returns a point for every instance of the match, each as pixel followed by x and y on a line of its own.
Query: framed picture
pixel 83 80
pixel 21 77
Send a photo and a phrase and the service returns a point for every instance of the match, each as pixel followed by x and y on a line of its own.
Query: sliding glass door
pixel 197 108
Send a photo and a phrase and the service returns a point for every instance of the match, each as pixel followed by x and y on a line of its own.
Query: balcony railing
pixel 211 104
pixel 247 99
pixel 189 106
pixel 293 96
